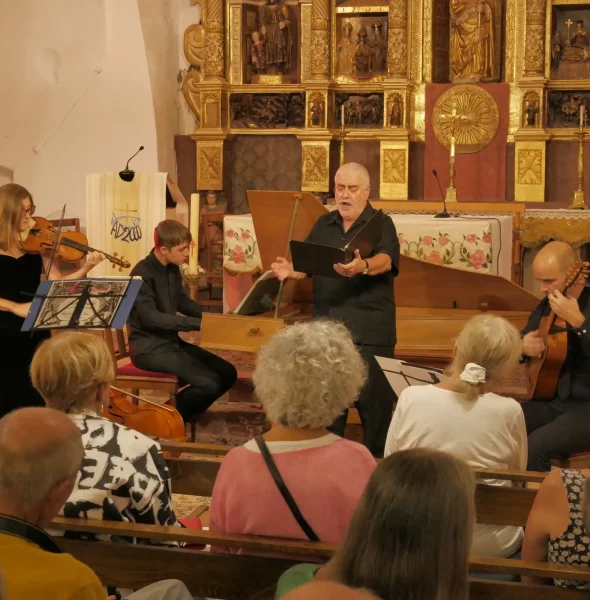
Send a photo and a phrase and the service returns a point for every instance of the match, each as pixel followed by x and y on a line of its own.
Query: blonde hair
pixel 410 535
pixel 68 370
pixel 308 374
pixel 490 342
pixel 11 210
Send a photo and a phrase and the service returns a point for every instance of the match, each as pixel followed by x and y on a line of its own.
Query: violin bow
pixel 116 389
pixel 55 243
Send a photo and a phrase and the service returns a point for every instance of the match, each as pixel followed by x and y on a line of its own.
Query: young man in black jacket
pixel 154 325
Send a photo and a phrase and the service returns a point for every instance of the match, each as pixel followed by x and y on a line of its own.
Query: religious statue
pixel 362 56
pixel 276 31
pixel 316 112
pixel 396 111
pixel 580 37
pixel 213 205
pixel 379 47
pixel 345 52
pixel 258 54
pixel 472 41
pixel 530 114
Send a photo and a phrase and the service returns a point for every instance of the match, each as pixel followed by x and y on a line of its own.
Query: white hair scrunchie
pixel 473 374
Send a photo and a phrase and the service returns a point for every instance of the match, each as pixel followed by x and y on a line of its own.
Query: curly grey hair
pixel 308 374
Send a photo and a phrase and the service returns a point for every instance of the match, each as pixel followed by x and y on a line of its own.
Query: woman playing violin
pixel 20 274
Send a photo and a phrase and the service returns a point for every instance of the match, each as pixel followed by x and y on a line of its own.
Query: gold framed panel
pixel 210 165
pixel 315 166
pixel 393 169
pixel 529 171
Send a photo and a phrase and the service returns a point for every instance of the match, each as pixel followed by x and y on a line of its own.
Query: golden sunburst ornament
pixel 476 121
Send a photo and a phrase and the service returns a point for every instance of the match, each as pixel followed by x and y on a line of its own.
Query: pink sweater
pixel 325 476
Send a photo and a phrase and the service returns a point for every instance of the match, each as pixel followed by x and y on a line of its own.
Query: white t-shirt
pixel 489 432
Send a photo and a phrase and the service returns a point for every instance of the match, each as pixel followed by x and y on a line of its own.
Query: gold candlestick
pixel 451 195
pixel 579 201
pixel 342 136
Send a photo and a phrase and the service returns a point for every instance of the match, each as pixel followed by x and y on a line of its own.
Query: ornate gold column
pixel 534 57
pixel 320 40
pixel 214 41
pixel 397 40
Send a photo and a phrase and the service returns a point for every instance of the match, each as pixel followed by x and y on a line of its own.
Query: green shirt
pixel 295 577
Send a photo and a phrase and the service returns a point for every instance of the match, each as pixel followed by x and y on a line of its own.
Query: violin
pixel 152 419
pixel 543 371
pixel 71 245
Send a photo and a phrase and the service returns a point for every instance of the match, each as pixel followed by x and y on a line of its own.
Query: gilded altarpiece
pixel 332 76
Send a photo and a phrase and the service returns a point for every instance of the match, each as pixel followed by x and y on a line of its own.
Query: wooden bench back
pixel 233 576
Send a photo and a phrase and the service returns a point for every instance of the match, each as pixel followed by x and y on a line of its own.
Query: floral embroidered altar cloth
pixel 470 243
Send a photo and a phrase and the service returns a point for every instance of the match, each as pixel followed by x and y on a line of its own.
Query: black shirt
pixel 574 378
pixel 364 303
pixel 154 320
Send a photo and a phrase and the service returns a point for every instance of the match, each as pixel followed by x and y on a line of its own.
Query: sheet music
pixel 401 374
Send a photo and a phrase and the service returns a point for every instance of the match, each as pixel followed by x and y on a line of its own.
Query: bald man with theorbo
pixel 561 426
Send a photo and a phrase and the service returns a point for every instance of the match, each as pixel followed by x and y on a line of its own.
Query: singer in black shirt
pixel 154 323
pixel 561 426
pixel 361 298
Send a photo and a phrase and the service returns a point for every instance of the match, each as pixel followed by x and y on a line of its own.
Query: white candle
pixel 194 229
pixel 342 115
pixel 452 146
pixel 581 117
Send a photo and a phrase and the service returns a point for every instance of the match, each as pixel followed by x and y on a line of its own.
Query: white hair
pixel 358 169
pixel 308 374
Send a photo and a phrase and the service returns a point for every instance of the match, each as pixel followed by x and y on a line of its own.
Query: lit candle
pixel 194 229
pixel 452 146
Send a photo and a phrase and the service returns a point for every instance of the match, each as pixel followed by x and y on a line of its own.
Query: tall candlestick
pixel 193 257
pixel 452 146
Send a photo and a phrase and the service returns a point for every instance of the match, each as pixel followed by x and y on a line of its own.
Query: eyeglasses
pixel 30 211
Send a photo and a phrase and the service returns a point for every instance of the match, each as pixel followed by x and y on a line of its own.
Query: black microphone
pixel 444 214
pixel 127 174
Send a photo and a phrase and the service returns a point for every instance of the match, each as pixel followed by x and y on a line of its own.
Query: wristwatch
pixel 366 269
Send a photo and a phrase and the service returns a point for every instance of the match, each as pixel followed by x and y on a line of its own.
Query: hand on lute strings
pixel 533 344
pixel 566 308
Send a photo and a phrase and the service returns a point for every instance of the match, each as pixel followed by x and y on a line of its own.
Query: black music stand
pixel 401 374
pixel 101 302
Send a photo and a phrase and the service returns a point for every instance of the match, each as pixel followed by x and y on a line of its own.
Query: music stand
pixel 101 302
pixel 401 374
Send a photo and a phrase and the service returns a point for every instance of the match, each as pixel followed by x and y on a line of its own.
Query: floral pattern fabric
pixel 240 248
pixel 459 244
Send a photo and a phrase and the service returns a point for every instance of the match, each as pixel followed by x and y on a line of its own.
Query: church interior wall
pixel 76 97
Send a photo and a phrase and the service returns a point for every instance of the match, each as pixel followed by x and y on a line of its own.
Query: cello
pixel 71 245
pixel 543 371
pixel 150 418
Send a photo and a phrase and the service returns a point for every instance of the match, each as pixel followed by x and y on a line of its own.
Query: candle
pixel 342 115
pixel 452 146
pixel 582 117
pixel 193 256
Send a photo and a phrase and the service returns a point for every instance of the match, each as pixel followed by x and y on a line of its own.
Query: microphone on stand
pixel 127 174
pixel 444 214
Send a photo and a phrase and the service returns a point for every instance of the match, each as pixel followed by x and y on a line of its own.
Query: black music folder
pixel 317 259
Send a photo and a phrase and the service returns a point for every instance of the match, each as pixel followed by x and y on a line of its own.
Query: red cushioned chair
pixel 130 377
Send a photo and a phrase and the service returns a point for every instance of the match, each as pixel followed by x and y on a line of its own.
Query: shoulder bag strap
pixel 272 467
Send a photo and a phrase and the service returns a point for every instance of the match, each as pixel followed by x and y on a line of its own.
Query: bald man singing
pixel 561 426
pixel 362 297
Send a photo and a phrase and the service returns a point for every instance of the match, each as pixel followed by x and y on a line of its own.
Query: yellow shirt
pixel 30 573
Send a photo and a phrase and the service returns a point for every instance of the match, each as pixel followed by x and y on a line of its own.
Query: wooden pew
pixel 237 577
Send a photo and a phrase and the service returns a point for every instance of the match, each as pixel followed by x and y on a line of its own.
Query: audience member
pixel 459 417
pixel 328 590
pixel 558 527
pixel 123 476
pixel 305 376
pixel 410 534
pixel 40 456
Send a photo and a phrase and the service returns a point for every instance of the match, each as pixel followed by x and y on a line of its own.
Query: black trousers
pixel 374 404
pixel 208 376
pixel 555 429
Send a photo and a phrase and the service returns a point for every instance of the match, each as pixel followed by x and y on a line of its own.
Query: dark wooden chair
pixel 212 222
